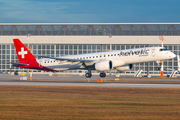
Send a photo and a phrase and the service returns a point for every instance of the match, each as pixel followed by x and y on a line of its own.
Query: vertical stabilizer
pixel 22 52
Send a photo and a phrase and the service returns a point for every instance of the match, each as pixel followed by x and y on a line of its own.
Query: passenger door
pixel 153 52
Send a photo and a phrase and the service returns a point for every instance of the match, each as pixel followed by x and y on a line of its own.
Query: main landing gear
pixel 102 74
pixel 88 75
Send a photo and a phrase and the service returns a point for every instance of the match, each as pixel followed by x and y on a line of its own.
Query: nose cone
pixel 172 55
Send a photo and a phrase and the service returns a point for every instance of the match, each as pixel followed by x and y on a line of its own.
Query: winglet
pixel 22 52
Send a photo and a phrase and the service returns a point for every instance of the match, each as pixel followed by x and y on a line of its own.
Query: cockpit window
pixel 163 49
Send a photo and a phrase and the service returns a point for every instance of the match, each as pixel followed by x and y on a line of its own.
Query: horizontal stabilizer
pixel 16 64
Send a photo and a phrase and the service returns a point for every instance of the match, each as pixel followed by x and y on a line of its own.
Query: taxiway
pixel 43 80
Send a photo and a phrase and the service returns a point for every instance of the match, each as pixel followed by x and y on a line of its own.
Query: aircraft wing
pixel 68 59
pixel 74 61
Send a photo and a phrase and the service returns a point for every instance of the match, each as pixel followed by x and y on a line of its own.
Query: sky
pixel 89 11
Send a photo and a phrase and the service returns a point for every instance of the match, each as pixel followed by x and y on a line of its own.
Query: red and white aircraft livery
pixel 120 60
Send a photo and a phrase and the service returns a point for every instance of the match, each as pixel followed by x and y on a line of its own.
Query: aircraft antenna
pixel 110 37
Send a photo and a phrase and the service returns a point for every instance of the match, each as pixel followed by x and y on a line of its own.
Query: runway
pixel 41 80
pixel 92 84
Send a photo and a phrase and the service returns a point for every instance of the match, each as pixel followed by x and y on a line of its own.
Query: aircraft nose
pixel 172 55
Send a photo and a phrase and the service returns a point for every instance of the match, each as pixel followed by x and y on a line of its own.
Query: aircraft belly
pixel 137 59
pixel 64 67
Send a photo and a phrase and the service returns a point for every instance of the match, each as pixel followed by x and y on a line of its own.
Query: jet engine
pixel 125 67
pixel 104 65
pixel 117 63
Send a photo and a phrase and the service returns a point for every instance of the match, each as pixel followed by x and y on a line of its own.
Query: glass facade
pixel 8 54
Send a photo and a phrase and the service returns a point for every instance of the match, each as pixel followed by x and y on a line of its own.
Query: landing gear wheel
pixel 102 74
pixel 88 75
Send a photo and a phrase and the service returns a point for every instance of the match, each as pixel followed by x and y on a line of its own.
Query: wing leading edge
pixel 68 59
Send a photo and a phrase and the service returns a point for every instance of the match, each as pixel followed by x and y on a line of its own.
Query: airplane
pixel 121 60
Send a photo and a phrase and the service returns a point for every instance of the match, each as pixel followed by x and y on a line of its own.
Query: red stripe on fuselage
pixel 33 64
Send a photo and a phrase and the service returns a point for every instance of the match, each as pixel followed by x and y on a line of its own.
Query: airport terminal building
pixel 59 39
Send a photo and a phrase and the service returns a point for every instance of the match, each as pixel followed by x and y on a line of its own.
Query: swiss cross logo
pixel 22 53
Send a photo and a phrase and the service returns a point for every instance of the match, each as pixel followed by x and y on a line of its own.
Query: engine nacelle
pixel 125 68
pixel 117 63
pixel 104 65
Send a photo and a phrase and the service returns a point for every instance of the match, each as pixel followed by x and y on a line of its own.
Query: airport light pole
pixel 29 74
pixel 148 68
pixel 28 41
pixel 162 73
pixel 110 37
pixel 28 49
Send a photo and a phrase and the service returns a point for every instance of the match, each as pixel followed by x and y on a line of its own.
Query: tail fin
pixel 22 52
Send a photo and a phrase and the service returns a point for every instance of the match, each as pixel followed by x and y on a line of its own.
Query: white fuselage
pixel 129 56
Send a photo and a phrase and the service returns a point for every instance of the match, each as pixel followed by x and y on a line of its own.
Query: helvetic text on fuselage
pixel 142 52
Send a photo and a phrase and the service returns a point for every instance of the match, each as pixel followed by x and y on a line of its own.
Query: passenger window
pixel 114 54
pixel 111 54
pixel 86 57
pixel 96 56
pixel 89 57
pixel 104 55
pixel 108 55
